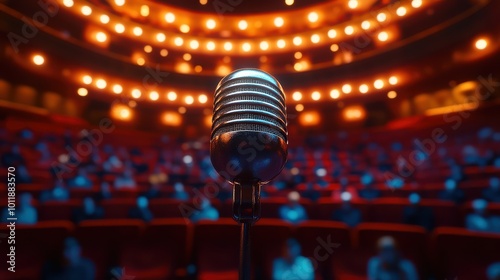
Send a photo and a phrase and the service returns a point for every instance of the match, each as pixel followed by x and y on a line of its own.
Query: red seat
pixel 160 251
pixel 216 249
pixel 411 241
pixel 268 237
pixel 387 210
pixel 57 210
pixel 101 241
pixel 35 245
pixel 327 243
pixel 445 212
pixel 462 254
pixel 117 208
pixel 171 208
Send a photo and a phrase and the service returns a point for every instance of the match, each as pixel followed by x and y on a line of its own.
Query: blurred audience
pixel 59 192
pixel 292 265
pixel 492 193
pixel 389 264
pixel 13 157
pixel 368 191
pixel 141 210
pixel 24 211
pixel 206 212
pixel 22 174
pixel 81 180
pixel 125 180
pixel 493 271
pixel 179 192
pixel 72 265
pixel 347 213
pixel 88 211
pixel 480 220
pixel 418 215
pixel 451 192
pixel 293 212
pixel 104 192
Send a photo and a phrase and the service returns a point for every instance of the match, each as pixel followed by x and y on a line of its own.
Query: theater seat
pixel 411 241
pixel 462 254
pixel 168 207
pixel 117 208
pixel 161 250
pixel 35 245
pixel 216 249
pixel 101 241
pixel 268 237
pixel 57 210
pixel 328 244
pixel 387 210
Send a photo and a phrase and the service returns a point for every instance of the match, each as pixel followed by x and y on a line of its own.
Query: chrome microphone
pixel 249 128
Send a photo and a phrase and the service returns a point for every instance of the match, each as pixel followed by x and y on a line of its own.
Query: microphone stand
pixel 246 211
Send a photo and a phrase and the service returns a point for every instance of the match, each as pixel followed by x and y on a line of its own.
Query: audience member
pixel 141 210
pixel 492 193
pixel 389 264
pixel 25 212
pixel 81 180
pixel 104 192
pixel 72 265
pixel 293 212
pixel 292 265
pixel 206 212
pixel 310 193
pixel 493 271
pixel 13 157
pixel 22 175
pixel 88 211
pixel 416 214
pixel 125 180
pixel 368 191
pixel 451 192
pixel 480 220
pixel 59 192
pixel 347 213
pixel 179 192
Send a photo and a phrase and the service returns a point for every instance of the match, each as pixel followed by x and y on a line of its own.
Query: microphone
pixel 249 138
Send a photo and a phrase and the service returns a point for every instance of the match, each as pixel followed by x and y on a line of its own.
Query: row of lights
pixel 242 46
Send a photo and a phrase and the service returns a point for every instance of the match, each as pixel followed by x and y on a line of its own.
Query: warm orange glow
pixel 208 120
pixel 310 118
pixel 246 47
pixel 315 38
pixel 332 33
pixel 104 19
pixel 169 17
pixel 392 94
pixel 346 88
pixel 316 96
pixel 140 61
pixel 171 118
pixel 211 24
pixel 297 41
pixel 353 4
pixel 416 3
pixel 228 46
pixel 178 41
pixel 160 37
pixel 189 99
pixel 182 110
pixel 381 17
pixel 363 88
pixel 86 10
pixel 297 96
pixel 171 95
pixel 210 46
pixel 38 59
pixel 366 25
pixel 68 3
pixel 281 43
pixel 183 67
pixel 334 93
pixel 87 79
pixel 334 47
pixel 354 113
pixel 383 36
pixel 144 10
pixel 120 2
pixel 202 98
pixel 481 44
pixel 121 112
pixel 278 22
pixel 136 93
pixel 119 28
pixel 163 52
pixel 148 49
pixel 312 17
pixel 101 37
pixel 299 107
pixel 203 2
pixel 82 91
pixel 297 55
pixel 194 44
pixel 349 30
pixel 401 11
pixel 137 31
pixel 393 80
pixel 153 95
pixel 264 45
pixel 243 24
pixel 198 68
pixel 184 28
pixel 101 83
pixel 378 84
pixel 117 89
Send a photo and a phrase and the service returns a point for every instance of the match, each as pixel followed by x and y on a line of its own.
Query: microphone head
pixel 249 141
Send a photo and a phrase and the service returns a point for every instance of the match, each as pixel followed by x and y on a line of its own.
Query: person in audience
pixel 344 188
pixel 81 180
pixel 58 193
pixel 389 264
pixel 72 266
pixel 88 211
pixel 292 265
pixel 310 193
pixel 493 271
pixel 104 192
pixel 13 157
pixel 23 176
pixel 206 212
pixel 368 191
pixel 492 193
pixel 346 213
pixel 451 192
pixel 179 192
pixel 125 180
pixel 293 212
pixel 416 214
pixel 112 164
pixel 25 212
pixel 479 219
pixel 141 210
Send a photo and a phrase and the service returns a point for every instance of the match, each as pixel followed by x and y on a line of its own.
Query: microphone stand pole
pixel 246 211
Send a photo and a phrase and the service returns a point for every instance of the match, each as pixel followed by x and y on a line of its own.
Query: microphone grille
pixel 249 100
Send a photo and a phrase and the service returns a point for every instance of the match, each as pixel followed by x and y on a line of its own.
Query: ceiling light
pixel 334 93
pixel 316 95
pixel 393 80
pixel 353 4
pixel 383 36
pixel 346 88
pixel 210 24
pixel 242 24
pixel 210 46
pixel 153 95
pixel 117 89
pixel 365 25
pixel 86 10
pixel 136 93
pixel 297 96
pixel 160 37
pixel 264 45
pixel 315 38
pixel 278 22
pixel 297 55
pixel 312 17
pixel 144 10
pixel 246 47
pixel 194 44
pixel 87 79
pixel 378 84
pixel 38 59
pixel 281 43
pixel 101 37
pixel 481 44
pixel 332 33
pixel 101 83
pixel 297 41
pixel 169 17
pixel 392 94
pixel 119 28
pixel 68 3
pixel 401 11
pixel 137 31
pixel 349 30
pixel 82 91
pixel 202 98
pixel 104 19
pixel 189 99
pixel 178 41
pixel 184 28
pixel 416 3
pixel 363 88
pixel 171 95
pixel 228 46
